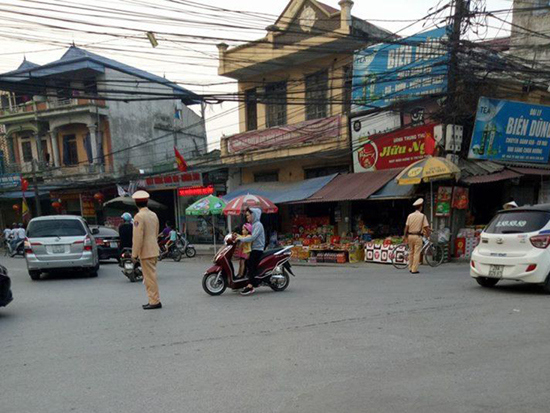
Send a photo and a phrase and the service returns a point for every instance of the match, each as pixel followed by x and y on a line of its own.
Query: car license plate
pixel 495 271
pixel 114 245
pixel 128 265
pixel 58 249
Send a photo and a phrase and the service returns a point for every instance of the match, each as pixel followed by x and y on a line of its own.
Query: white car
pixel 60 242
pixel 514 246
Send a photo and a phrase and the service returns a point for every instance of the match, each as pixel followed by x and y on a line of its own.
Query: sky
pixel 180 57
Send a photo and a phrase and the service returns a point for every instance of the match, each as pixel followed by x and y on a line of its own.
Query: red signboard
pixel 171 181
pixel 396 149
pixel 310 131
pixel 196 191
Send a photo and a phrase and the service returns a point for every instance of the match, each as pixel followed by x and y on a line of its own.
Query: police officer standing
pixel 416 226
pixel 145 247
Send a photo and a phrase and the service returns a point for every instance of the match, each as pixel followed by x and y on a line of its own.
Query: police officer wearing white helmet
pixel 145 247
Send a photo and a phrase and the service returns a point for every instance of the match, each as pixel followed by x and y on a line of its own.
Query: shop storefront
pixel 348 216
pixel 84 202
pixel 164 188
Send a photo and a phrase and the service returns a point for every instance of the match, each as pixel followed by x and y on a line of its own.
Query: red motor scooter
pixel 273 270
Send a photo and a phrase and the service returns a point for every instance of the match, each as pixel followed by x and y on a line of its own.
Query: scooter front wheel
pixel 214 283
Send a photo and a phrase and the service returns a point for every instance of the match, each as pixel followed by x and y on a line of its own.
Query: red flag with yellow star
pixel 182 165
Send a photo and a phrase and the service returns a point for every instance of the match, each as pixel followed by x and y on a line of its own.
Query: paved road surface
pixel 369 339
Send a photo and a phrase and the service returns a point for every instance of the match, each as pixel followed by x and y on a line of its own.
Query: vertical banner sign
pixel 405 69
pixel 460 198
pixel 443 201
pixel 511 131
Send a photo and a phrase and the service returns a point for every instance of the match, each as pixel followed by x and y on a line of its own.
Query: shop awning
pixel 393 191
pixel 496 177
pixel 19 194
pixel 282 192
pixel 531 171
pixel 353 187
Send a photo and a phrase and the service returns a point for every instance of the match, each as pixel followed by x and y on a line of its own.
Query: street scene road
pixel 363 338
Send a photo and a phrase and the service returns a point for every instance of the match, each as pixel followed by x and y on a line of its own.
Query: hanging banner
pixel 460 198
pixel 443 201
pixel 396 149
pixel 511 131
pixel 406 69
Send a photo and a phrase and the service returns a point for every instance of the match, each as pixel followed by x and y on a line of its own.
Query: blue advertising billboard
pixel 511 131
pixel 404 69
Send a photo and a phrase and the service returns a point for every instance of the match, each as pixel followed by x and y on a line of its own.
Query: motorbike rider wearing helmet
pixel 18 235
pixel 126 231
pixel 257 238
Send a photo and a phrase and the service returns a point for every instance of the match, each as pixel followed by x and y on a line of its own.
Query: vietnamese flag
pixel 25 211
pixel 182 165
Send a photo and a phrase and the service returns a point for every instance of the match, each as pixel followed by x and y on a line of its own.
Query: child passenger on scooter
pixel 243 250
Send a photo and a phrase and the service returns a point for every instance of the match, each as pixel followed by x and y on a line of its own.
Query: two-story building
pixel 84 122
pixel 295 85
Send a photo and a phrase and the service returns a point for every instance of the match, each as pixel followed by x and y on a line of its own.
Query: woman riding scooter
pixel 257 238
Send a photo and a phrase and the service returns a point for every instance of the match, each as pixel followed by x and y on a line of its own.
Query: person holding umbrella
pixel 257 238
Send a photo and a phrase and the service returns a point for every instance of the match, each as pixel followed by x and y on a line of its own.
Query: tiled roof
pixel 76 58
pixel 327 8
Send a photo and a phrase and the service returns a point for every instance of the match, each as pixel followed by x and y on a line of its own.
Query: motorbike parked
pixel 19 248
pixel 130 269
pixel 184 246
pixel 273 270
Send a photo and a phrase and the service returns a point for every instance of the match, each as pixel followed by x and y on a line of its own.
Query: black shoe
pixel 417 272
pixel 247 291
pixel 151 306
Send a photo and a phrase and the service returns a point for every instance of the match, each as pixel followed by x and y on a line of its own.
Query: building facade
pixel 296 85
pixel 85 122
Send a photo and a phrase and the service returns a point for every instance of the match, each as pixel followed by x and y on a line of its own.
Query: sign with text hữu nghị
pixel 511 131
pixel 396 149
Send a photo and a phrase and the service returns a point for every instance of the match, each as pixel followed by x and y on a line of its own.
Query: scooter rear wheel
pixel 212 287
pixel 282 284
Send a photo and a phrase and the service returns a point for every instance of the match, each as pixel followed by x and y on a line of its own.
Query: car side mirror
pixel 95 231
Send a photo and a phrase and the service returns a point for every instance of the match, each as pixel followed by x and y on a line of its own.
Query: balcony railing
pixel 51 104
pixel 48 169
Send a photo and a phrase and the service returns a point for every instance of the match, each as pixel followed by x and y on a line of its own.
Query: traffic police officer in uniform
pixel 145 247
pixel 416 226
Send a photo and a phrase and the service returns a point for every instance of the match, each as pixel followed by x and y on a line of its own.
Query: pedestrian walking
pixel 416 226
pixel 145 247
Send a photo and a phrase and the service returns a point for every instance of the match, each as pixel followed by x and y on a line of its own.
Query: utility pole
pixel 36 194
pixel 460 12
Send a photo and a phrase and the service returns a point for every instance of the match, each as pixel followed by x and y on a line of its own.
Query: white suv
pixel 514 246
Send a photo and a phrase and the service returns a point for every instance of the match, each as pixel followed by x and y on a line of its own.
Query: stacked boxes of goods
pixel 466 241
pixel 381 250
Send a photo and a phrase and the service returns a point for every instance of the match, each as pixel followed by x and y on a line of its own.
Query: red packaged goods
pixel 460 247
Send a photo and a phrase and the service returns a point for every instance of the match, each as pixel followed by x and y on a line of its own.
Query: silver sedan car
pixel 60 242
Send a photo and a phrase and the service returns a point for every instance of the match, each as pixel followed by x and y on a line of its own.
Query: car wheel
pixel 546 285
pixel 34 274
pixel 94 270
pixel 487 282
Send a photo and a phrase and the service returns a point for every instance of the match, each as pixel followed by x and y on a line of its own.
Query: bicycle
pixel 433 253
